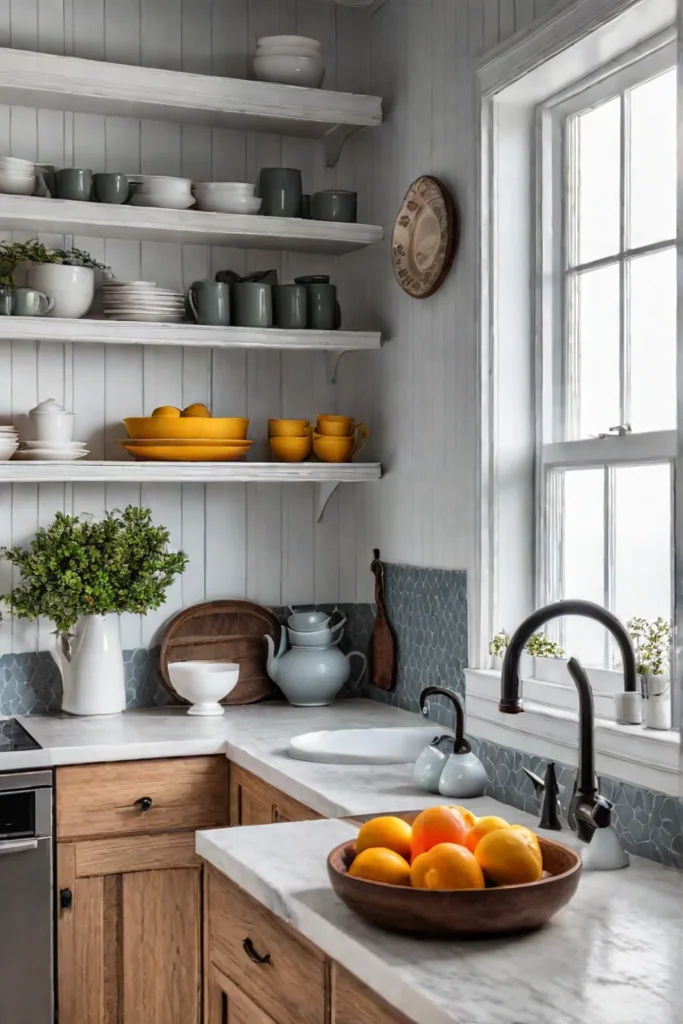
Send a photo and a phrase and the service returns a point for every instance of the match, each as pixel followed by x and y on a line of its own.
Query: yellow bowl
pixel 188 453
pixel 289 428
pixel 186 427
pixel 333 449
pixel 335 426
pixel 290 449
pixel 179 442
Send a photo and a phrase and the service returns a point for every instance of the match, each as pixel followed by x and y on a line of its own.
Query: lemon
pixel 381 865
pixel 197 409
pixel 508 857
pixel 166 410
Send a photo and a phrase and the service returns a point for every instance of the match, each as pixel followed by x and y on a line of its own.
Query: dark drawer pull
pixel 144 803
pixel 252 953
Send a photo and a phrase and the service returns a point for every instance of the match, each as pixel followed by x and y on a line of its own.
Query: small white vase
pixel 91 664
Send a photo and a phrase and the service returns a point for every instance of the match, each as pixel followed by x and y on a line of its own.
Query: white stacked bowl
pixel 17 177
pixel 226 197
pixel 290 60
pixel 9 442
pixel 162 191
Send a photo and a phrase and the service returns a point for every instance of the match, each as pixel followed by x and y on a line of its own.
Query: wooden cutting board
pixel 383 642
pixel 231 631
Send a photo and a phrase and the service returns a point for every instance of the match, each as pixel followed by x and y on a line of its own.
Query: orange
pixel 166 410
pixel 196 409
pixel 483 826
pixel 508 857
pixel 466 815
pixel 446 866
pixel 390 833
pixel 380 865
pixel 533 839
pixel 437 825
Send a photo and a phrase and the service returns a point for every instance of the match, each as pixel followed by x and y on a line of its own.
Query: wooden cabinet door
pixel 254 802
pixel 227 1004
pixel 129 931
pixel 353 1002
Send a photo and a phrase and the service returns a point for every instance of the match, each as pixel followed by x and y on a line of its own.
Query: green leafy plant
pixel 499 644
pixel 539 646
pixel 652 642
pixel 33 251
pixel 82 566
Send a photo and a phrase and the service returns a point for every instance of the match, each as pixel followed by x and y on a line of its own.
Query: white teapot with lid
pixel 51 422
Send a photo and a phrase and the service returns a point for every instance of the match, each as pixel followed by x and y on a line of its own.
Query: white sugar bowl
pixel 204 684
pixel 51 422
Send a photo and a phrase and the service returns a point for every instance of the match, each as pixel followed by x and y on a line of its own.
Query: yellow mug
pixel 289 428
pixel 340 449
pixel 336 426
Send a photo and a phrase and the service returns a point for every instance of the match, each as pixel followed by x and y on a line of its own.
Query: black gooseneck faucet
pixel 590 810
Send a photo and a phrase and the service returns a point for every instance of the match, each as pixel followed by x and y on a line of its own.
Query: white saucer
pixel 144 199
pixel 57 445
pixel 143 317
pixel 50 455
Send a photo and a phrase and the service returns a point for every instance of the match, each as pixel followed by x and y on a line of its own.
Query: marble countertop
pixel 613 956
pixel 254 737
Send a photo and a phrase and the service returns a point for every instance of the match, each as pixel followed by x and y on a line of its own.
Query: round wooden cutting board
pixel 231 631
pixel 425 238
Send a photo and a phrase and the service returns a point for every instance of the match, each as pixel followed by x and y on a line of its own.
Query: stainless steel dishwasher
pixel 26 899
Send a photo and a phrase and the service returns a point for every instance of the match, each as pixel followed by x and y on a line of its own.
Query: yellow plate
pixel 188 453
pixel 180 442
pixel 150 428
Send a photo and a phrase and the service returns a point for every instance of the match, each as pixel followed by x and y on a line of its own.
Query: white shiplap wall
pixel 252 541
pixel 422 387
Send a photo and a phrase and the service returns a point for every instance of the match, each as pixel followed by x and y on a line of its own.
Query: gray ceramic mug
pixel 323 310
pixel 210 303
pixel 335 205
pixel 289 306
pixel 30 302
pixel 74 183
pixel 111 188
pixel 281 191
pixel 253 304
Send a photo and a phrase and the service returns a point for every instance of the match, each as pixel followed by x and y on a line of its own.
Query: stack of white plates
pixel 142 301
pixel 290 60
pixel 159 190
pixel 53 451
pixel 226 197
pixel 17 177
pixel 9 442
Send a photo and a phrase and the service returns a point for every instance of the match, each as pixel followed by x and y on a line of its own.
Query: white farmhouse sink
pixel 365 746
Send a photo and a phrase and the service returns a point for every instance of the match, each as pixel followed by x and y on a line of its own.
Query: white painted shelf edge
pixel 189 335
pixel 98 87
pixel 191 227
pixel 326 476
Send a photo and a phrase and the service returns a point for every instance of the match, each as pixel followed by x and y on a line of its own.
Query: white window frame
pixel 584 41
pixel 554 357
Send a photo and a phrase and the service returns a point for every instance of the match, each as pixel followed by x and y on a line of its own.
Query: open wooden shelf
pixel 189 335
pixel 187 227
pixel 96 87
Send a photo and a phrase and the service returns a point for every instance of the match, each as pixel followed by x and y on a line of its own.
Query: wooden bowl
pixel 463 913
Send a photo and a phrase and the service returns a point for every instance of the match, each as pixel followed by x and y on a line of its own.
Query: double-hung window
pixel 606 365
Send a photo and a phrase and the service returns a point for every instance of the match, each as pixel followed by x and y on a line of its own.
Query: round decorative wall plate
pixel 425 238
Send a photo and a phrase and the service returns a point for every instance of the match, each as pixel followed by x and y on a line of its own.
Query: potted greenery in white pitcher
pixel 82 573
pixel 652 643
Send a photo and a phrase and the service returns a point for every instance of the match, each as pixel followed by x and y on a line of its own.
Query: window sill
pixel 642 757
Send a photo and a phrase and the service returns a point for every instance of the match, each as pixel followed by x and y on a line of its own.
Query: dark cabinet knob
pixel 144 803
pixel 66 898
pixel 253 953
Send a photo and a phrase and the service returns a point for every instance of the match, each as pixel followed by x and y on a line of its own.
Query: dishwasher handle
pixel 18 846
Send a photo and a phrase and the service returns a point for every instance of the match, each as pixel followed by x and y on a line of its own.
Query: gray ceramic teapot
pixel 310 676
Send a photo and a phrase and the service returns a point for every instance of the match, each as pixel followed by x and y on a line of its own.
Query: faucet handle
pixel 538 782
pixel 602 812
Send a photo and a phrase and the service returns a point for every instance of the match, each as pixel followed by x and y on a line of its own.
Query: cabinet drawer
pixel 291 985
pixel 353 1002
pixel 110 799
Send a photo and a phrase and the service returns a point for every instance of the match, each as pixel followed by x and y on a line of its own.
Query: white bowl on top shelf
pixel 227 202
pixel 204 684
pixel 305 41
pixel 16 183
pixel 307 72
pixel 288 51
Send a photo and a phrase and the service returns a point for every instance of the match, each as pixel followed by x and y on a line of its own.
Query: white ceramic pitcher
pixel 91 664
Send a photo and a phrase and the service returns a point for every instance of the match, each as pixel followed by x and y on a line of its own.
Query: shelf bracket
pixel 323 494
pixel 333 360
pixel 334 141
